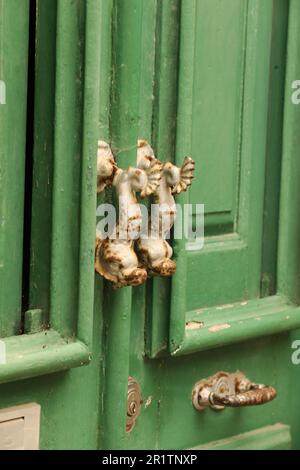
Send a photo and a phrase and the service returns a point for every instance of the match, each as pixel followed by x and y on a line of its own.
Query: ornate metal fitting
pixel 230 390
pixel 130 259
pixel 134 403
pixel 116 259
pixel 155 252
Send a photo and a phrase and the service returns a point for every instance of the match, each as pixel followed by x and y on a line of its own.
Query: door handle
pixel 230 390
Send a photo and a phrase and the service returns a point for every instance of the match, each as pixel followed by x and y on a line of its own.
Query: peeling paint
pixel 194 325
pixel 148 401
pixel 220 327
pixel 223 307
pixel 176 350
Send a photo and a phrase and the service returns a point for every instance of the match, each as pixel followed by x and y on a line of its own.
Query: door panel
pixel 43 153
pixel 61 326
pixel 223 268
pixel 213 315
pixel 228 269
pixel 218 41
pixel 14 29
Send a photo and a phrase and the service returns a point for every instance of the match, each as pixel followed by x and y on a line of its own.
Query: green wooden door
pixel 51 330
pixel 206 78
pixel 221 86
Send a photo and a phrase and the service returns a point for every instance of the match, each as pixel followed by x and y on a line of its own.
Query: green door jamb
pixel 14 29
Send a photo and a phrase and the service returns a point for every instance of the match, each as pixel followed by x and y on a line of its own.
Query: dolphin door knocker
pixel 154 251
pixel 116 259
pixel 128 256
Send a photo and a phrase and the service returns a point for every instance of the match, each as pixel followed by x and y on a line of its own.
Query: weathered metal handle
pixel 230 390
pixel 257 395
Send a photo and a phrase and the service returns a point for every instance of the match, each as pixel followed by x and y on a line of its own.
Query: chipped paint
pixel 222 326
pixel 223 307
pixel 194 325
pixel 176 350
pixel 148 401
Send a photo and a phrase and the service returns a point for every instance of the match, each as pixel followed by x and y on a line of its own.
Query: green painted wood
pixel 274 147
pixel 75 326
pixel 35 321
pixel 40 354
pixel 127 27
pixel 183 147
pixel 69 400
pixel 163 141
pixel 66 173
pixel 13 72
pixel 289 250
pixel 42 179
pixel 88 199
pixel 86 407
pixel 150 13
pixel 167 382
pixel 71 97
pixel 214 327
pixel 218 69
pixel 238 254
pixel 167 413
pixel 276 437
pixel 105 73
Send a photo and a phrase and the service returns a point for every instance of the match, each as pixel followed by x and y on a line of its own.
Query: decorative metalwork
pixel 116 259
pixel 155 252
pixel 126 258
pixel 232 390
pixel 134 403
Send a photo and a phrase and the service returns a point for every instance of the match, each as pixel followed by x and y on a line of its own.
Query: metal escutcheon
pixel 134 403
pixel 230 390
